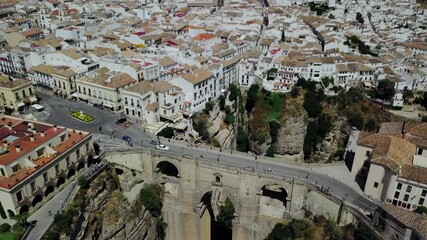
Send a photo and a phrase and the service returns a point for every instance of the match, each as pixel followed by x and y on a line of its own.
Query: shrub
pixel 274 130
pixel 226 214
pixel 82 181
pixel 208 107
pixel 251 97
pixel 242 140
pixel 151 196
pixel 229 119
pixel 421 209
pixel 5 227
pixel 161 226
pixel 234 92
pixel 270 152
pixel 215 142
pixel 167 132
pixel 311 104
pixel 295 92
pixel 221 101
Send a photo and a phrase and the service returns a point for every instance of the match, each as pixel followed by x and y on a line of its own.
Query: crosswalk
pixel 106 142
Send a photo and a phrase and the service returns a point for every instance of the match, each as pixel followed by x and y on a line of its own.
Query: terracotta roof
pixel 388 150
pixel 417 130
pixel 415 173
pixel 155 87
pixel 14 84
pixel 71 53
pixel 31 32
pixel 203 37
pixel 417 222
pixel 391 128
pixel 166 61
pixel 197 75
pixel 105 77
pixel 152 106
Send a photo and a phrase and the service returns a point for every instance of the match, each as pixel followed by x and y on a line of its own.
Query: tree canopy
pixel 385 90
pixel 151 196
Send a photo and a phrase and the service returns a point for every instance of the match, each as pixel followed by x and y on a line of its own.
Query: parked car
pixel 162 147
pixel 154 142
pixel 121 120
pixel 127 138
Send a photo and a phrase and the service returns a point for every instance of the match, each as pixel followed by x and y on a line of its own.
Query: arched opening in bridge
pixel 60 181
pixel 273 201
pixel 49 190
pixel 168 169
pixel 37 199
pixel 216 218
pixel 71 173
pixel 24 209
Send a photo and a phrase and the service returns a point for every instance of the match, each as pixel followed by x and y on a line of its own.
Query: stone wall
pixel 182 204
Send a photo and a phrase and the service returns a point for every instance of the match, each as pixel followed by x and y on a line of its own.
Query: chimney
pixel 5 144
pixel 18 148
pixel 9 125
pixel 32 137
pixel 42 134
pixel 55 128
pixel 404 134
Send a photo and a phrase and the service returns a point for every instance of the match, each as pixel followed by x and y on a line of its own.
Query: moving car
pixel 162 147
pixel 127 138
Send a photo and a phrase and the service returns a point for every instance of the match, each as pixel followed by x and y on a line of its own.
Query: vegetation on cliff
pixel 319 228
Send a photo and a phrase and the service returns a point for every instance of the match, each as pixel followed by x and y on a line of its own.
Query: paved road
pixel 59 109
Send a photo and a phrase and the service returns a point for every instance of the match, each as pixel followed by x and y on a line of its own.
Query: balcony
pixel 168 106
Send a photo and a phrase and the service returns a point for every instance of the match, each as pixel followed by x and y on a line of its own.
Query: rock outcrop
pixel 109 214
pixel 293 127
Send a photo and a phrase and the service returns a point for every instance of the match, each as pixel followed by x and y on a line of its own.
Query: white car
pixel 162 147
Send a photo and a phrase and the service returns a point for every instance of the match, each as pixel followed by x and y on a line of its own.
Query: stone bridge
pixel 197 186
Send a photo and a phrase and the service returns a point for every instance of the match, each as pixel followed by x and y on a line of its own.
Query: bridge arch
pixel 274 198
pixel 167 168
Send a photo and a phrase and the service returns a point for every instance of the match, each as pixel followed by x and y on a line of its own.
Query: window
pixel 45 177
pixel 424 193
pixel 2 172
pixel 421 202
pixel 78 153
pixel 40 152
pixel 420 151
pixel 408 188
pixel 406 197
pixel 33 186
pixel 67 160
pixel 396 194
pixel 399 186
pixel 368 153
pixel 376 184
pixel 16 168
pixel 87 147
pixel 57 168
pixel 18 196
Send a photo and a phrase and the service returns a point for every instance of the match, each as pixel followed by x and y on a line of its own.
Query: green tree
pixel 234 91
pixel 161 226
pixel 167 132
pixel 302 82
pixel 221 100
pixel 421 210
pixel 230 119
pixel 270 151
pixel 311 104
pixel 242 140
pixel 356 120
pixel 251 97
pixel 274 127
pixel 21 218
pixel 5 227
pixel 272 73
pixel 354 95
pixel 226 214
pixel 332 231
pixel 310 139
pixel 208 107
pixel 324 125
pixel 372 125
pixel 200 125
pixel 82 181
pixel 325 81
pixel 295 92
pixel 385 90
pixel 151 196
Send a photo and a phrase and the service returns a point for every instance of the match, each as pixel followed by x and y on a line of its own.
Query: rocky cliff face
pixel 293 127
pixel 110 215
